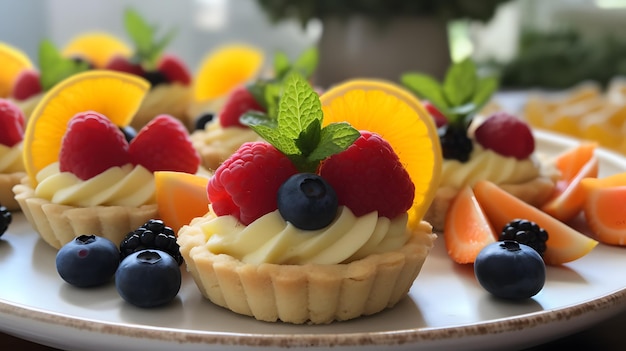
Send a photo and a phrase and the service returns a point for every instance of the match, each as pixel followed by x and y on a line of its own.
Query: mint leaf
pixel 147 48
pixel 299 106
pixel 427 88
pixel 282 65
pixel 335 138
pixel 307 62
pixel 310 137
pixel 484 90
pixel 460 83
pixel 54 67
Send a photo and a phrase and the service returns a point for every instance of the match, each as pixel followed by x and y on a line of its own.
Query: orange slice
pixel 564 243
pixel 97 48
pixel 605 208
pixel 113 94
pixel 180 197
pixel 394 113
pixel 224 68
pixel 12 62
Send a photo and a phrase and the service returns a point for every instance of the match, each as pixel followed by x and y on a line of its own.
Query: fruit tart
pixel 498 147
pixel 219 137
pixel 308 229
pixel 83 175
pixel 11 164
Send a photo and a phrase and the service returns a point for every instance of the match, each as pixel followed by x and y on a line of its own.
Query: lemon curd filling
pixel 127 185
pixel 11 159
pixel 486 164
pixel 270 239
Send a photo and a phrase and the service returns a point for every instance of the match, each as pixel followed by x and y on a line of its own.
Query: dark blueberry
pixel 155 78
pixel 5 219
pixel 510 270
pixel 307 201
pixel 153 234
pixel 88 260
pixel 129 132
pixel 203 119
pixel 526 232
pixel 455 144
pixel 148 278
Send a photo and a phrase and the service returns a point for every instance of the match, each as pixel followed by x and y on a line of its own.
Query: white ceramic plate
pixel 446 308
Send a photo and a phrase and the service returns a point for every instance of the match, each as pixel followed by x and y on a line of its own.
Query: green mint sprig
pixel 53 67
pixel 148 48
pixel 460 96
pixel 297 131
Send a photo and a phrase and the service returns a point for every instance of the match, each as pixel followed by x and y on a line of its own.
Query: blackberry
pixel 203 119
pixel 153 234
pixel 155 78
pixel 5 219
pixel 455 144
pixel 525 232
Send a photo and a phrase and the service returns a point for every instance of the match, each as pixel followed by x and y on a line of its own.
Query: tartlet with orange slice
pixel 83 175
pixel 307 228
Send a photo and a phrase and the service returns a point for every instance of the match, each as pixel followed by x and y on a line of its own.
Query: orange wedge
pixel 12 62
pixel 224 68
pixel 394 113
pixel 605 208
pixel 180 197
pixel 113 94
pixel 97 48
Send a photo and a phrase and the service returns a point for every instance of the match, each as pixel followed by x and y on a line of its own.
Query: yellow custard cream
pixel 11 159
pixel 486 164
pixel 270 239
pixel 128 185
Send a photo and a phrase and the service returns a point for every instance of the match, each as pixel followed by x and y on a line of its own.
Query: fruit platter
pixel 148 207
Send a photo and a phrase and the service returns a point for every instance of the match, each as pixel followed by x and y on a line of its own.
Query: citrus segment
pixel 12 62
pixel 564 244
pixel 467 230
pixel 115 95
pixel 576 164
pixel 180 197
pixel 396 115
pixel 225 68
pixel 97 48
pixel 605 208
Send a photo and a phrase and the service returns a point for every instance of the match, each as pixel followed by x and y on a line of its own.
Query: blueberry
pixel 510 270
pixel 148 278
pixel 307 201
pixel 5 219
pixel 155 78
pixel 88 260
pixel 129 133
pixel 203 119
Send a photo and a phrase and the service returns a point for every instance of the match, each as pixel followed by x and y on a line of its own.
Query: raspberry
pixel 239 101
pixel 507 135
pixel 122 64
pixel 174 69
pixel 246 184
pixel 368 176
pixel 26 84
pixel 164 145
pixel 11 123
pixel 437 116
pixel 91 145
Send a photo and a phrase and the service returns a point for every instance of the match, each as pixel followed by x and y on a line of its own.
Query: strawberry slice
pixel 26 85
pixel 164 145
pixel 466 230
pixel 91 145
pixel 239 101
pixel 174 69
pixel 11 123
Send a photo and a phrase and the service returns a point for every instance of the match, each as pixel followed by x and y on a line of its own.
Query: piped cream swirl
pixel 270 239
pixel 225 139
pixel 117 186
pixel 11 159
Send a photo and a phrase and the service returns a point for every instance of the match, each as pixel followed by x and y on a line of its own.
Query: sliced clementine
pixel 96 47
pixel 394 113
pixel 564 244
pixel 180 197
pixel 115 95
pixel 467 230
pixel 575 164
pixel 224 68
pixel 605 208
pixel 12 62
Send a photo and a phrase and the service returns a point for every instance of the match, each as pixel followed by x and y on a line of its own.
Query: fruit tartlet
pixel 221 136
pixel 83 173
pixel 11 164
pixel 499 147
pixel 309 229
